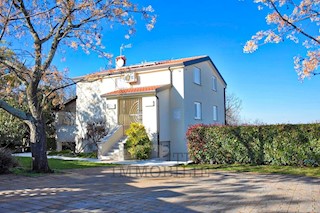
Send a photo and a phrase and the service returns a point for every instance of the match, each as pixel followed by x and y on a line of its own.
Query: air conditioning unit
pixel 131 78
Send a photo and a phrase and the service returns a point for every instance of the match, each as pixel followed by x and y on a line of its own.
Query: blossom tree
pixel 32 33
pixel 296 20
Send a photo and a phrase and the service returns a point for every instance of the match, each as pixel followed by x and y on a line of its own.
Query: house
pixel 166 97
pixel 65 124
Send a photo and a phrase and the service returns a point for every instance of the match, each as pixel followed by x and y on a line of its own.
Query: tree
pixel 32 33
pixel 294 20
pixel 233 107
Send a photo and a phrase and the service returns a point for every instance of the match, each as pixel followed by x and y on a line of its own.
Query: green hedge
pixel 297 145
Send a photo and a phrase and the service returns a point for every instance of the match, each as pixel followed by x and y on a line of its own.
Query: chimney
pixel 120 61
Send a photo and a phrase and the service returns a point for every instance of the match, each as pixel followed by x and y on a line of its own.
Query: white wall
pixel 91 106
pixel 153 78
pixel 149 120
pixel 112 112
pixel 164 114
pixel 177 114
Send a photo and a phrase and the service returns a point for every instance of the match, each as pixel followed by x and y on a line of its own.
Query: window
pixel 197 110
pixel 196 76
pixel 215 113
pixel 214 83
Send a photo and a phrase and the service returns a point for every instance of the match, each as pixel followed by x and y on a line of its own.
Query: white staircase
pixel 116 153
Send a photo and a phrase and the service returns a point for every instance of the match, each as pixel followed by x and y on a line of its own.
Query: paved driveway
pixel 158 189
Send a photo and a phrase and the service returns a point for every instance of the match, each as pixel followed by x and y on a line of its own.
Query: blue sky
pixel 265 81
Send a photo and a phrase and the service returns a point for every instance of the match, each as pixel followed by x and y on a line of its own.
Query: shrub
pixel 297 145
pixel 96 130
pixel 138 143
pixel 51 143
pixel 7 161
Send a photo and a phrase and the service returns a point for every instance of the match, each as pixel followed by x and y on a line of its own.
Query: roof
pixel 153 65
pixel 136 91
pixel 65 104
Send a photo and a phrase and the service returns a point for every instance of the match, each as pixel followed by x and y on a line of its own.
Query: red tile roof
pixel 135 90
pixel 182 61
pixel 150 64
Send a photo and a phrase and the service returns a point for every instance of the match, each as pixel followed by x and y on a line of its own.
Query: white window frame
pixel 214 83
pixel 197 75
pixel 215 113
pixel 197 110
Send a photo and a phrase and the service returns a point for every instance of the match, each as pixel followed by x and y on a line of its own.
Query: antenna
pixel 122 47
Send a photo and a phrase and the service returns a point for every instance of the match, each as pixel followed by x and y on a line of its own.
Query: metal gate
pixel 130 111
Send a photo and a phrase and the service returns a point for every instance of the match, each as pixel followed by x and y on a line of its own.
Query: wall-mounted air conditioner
pixel 131 78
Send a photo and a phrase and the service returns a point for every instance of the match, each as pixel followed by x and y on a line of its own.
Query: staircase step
pixel 114 153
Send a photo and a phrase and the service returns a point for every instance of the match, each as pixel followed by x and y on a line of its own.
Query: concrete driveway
pixel 158 189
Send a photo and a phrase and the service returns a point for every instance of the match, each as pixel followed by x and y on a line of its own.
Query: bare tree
pixel 31 33
pixel 233 108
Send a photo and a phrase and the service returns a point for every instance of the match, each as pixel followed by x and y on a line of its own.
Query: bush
pixel 296 145
pixel 7 161
pixel 51 143
pixel 138 142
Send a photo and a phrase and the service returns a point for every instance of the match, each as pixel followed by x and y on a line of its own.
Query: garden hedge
pixel 284 144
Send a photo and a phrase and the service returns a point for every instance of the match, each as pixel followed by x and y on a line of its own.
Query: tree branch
pixel 45 99
pixel 16 68
pixel 291 24
pixel 27 19
pixel 15 112
pixel 6 22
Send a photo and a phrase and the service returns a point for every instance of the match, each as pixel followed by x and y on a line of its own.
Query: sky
pixel 265 80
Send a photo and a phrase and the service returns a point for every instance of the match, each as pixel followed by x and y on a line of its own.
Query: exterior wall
pixel 164 124
pixel 91 107
pixel 149 120
pixel 164 114
pixel 153 78
pixel 177 115
pixel 112 111
pixel 204 94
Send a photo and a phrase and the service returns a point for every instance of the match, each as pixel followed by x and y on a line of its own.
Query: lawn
pixel 264 169
pixel 56 164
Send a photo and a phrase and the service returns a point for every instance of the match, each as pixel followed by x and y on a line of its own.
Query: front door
pixel 130 111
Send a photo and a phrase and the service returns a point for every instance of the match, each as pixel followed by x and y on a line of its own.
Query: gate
pixel 130 111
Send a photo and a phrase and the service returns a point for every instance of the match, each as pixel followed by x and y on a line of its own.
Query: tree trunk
pixel 38 143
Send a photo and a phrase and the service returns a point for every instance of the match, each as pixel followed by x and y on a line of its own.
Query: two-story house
pixel 166 97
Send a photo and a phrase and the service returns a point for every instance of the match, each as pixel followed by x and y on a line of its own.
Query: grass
pixel 264 169
pixel 55 164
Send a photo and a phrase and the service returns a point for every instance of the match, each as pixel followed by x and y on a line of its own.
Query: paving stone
pixel 98 190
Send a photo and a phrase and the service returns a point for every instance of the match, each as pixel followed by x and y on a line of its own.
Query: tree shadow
pixel 116 190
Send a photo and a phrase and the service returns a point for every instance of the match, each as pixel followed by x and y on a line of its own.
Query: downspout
pixel 169 68
pixel 158 114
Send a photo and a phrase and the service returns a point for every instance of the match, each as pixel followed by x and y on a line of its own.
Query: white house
pixel 166 97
